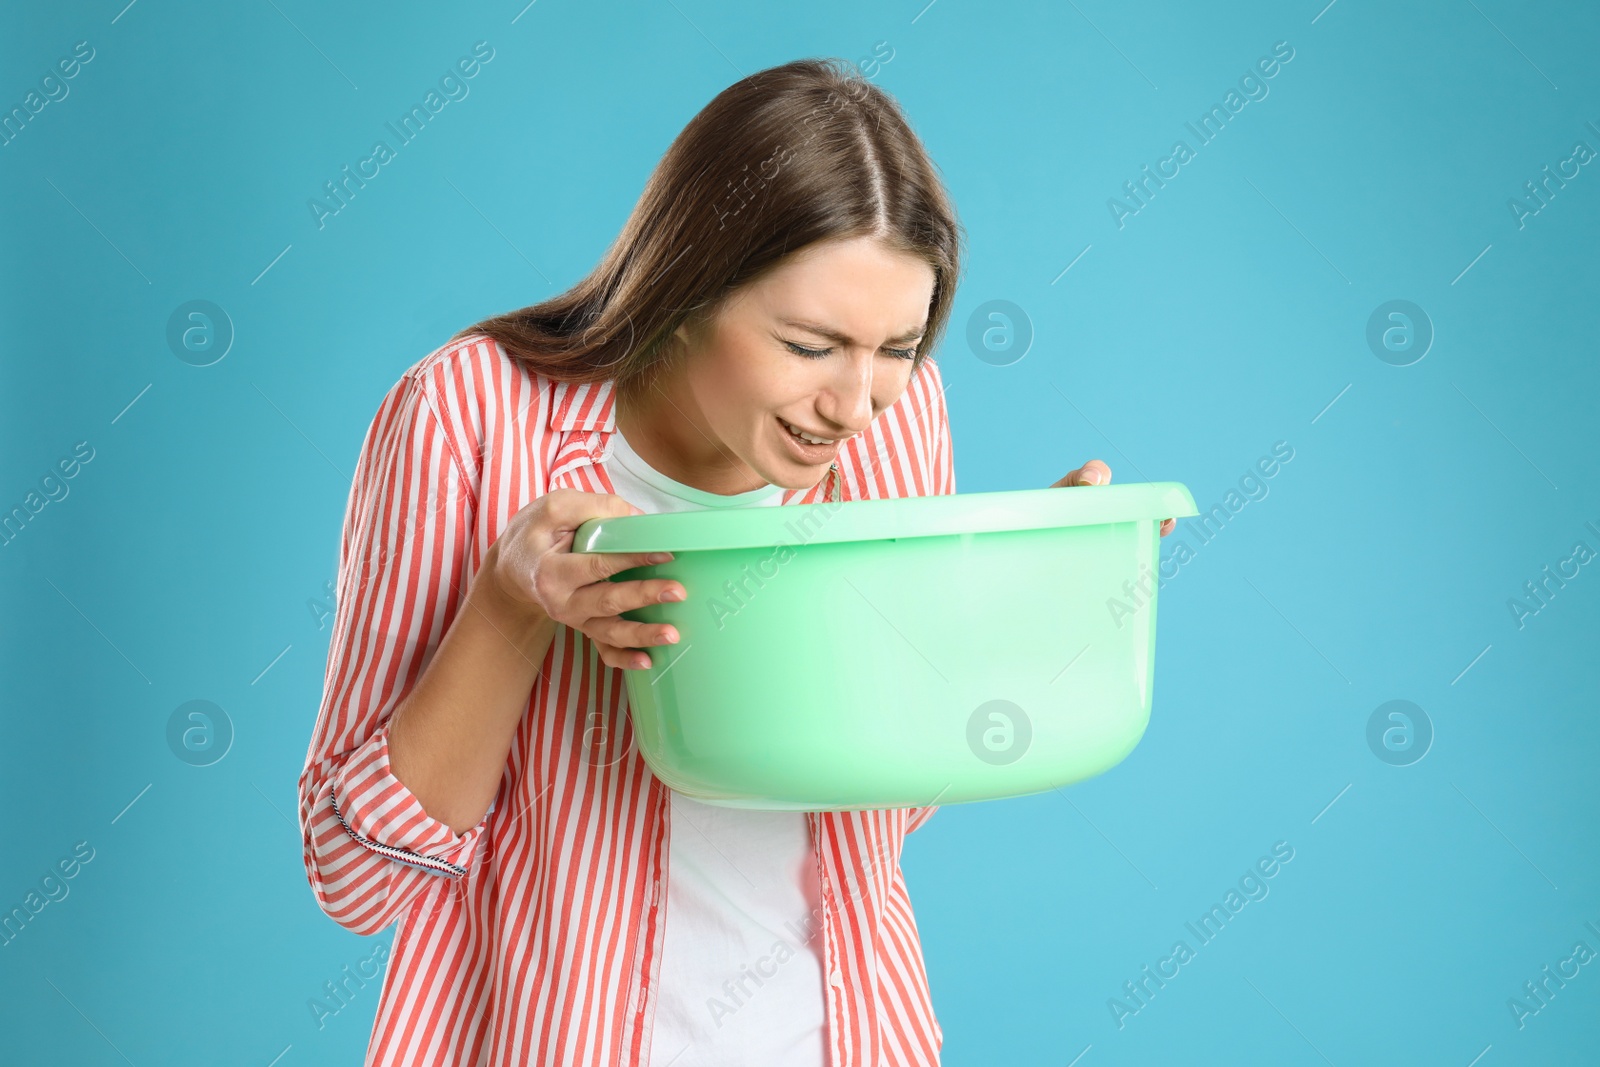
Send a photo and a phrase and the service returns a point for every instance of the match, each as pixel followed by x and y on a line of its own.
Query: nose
pixel 846 402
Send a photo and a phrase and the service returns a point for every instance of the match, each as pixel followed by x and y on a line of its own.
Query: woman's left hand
pixel 1095 472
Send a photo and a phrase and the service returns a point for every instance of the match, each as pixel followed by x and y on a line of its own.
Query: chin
pixel 793 475
pixel 795 481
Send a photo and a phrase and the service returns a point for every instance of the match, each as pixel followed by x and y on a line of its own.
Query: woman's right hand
pixel 534 567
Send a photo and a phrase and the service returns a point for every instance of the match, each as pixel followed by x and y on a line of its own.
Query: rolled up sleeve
pixel 371 850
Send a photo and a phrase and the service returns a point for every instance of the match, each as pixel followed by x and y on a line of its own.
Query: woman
pixel 786 272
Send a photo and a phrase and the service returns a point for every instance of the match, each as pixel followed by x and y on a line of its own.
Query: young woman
pixel 758 335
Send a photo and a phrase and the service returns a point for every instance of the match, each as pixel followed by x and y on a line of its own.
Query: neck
pixel 665 431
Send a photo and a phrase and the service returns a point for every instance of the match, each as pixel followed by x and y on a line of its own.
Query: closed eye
pixel 818 353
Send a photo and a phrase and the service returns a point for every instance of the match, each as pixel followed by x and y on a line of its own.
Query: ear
pixel 685 332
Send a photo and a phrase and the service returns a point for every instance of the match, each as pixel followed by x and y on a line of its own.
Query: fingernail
pixel 670 636
pixel 671 594
pixel 1091 478
pixel 642 661
pixel 659 557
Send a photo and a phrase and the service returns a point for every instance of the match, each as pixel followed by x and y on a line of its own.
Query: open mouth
pixel 807 446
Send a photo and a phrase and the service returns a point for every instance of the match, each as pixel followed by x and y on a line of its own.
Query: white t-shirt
pixel 741 974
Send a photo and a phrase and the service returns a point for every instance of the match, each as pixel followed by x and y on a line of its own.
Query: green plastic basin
pixel 898 652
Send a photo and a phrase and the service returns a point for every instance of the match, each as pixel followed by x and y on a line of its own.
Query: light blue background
pixel 1228 314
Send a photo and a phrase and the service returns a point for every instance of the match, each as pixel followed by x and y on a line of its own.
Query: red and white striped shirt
pixel 535 937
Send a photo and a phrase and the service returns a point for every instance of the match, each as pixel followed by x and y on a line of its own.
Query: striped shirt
pixel 535 937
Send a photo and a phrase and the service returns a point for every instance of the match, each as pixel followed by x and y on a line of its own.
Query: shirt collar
pixel 585 406
pixel 592 406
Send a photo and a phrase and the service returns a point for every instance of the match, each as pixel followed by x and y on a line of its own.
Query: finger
pixel 1167 526
pixel 598 566
pixel 578 569
pixel 571 508
pixel 608 600
pixel 622 658
pixel 1094 472
pixel 631 635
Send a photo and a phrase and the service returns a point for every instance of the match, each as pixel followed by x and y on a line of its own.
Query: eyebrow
pixel 834 335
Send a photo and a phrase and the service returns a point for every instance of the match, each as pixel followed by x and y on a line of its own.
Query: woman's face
pixel 717 419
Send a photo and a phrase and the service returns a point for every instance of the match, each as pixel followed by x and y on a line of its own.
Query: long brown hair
pixel 804 152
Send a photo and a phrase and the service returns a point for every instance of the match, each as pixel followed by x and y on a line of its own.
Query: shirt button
pixel 835 978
